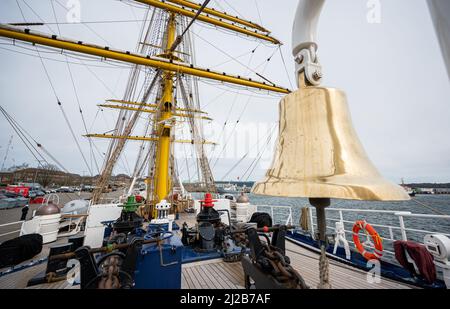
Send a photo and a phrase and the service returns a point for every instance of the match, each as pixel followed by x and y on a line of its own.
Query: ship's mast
pixel 162 179
pixel 168 68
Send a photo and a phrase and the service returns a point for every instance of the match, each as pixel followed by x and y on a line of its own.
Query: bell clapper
pixel 320 204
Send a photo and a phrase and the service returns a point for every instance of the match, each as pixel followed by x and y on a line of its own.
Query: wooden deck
pixel 341 276
pixel 216 274
pixel 212 274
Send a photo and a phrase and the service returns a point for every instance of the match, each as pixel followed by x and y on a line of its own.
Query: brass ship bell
pixel 318 153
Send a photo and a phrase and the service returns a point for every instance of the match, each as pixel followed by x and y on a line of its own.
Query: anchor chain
pixel 283 271
pixel 110 277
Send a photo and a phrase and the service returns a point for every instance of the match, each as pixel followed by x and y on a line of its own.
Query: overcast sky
pixel 393 73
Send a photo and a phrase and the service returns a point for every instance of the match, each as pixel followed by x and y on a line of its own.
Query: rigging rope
pixel 22 133
pixel 84 123
pixel 324 270
pixel 64 114
pixel 256 161
pixel 74 137
pixel 110 64
pixel 54 14
pixel 54 90
pixel 24 139
pixel 52 157
pixel 86 25
pixel 7 152
pixel 34 12
pixel 180 37
pixel 28 147
pixel 232 131
pixel 232 58
pixel 77 98
pixel 259 13
pixel 236 11
pixel 21 11
pixel 429 207
pixel 245 107
pixel 222 133
pixel 236 34
pixel 80 22
pixel 248 152
pixel 202 160
pixel 71 75
pixel 229 113
pixel 285 68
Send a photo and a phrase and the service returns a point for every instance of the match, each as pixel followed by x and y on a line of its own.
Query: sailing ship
pixel 145 242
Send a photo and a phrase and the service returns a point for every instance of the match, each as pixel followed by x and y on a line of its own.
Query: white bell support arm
pixel 304 40
pixel 439 10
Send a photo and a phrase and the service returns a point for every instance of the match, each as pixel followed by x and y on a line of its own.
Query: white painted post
pixel 312 222
pixel 391 233
pixel 402 227
pixel 289 219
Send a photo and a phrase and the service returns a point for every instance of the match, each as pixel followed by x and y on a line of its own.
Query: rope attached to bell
pixel 324 272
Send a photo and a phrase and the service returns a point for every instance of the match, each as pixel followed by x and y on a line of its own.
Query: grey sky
pixel 392 72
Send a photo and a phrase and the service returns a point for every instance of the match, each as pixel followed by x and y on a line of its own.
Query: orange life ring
pixel 378 252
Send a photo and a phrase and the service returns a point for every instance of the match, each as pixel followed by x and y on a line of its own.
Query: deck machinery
pixel 152 257
pixel 210 233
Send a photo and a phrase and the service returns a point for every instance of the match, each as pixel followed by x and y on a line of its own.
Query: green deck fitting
pixel 131 205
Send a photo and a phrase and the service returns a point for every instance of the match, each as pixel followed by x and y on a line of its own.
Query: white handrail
pixel 8 233
pixel 8 224
pixel 400 214
pixel 425 216
pixel 11 223
pixel 389 228
pixel 368 210
pixel 289 220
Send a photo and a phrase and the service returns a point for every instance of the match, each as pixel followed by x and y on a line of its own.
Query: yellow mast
pixel 162 179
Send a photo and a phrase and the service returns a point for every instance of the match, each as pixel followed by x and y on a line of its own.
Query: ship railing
pixel 73 223
pixel 288 209
pixel 389 233
pixel 381 228
pixel 9 224
pixel 107 200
